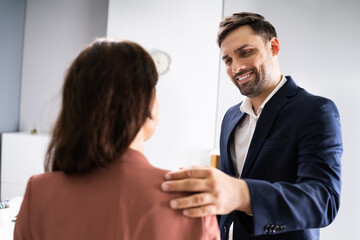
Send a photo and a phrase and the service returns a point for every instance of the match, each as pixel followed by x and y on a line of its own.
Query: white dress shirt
pixel 243 134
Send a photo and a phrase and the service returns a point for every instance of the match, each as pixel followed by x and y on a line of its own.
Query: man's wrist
pixel 244 198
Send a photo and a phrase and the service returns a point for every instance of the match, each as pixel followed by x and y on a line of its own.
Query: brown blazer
pixel 123 201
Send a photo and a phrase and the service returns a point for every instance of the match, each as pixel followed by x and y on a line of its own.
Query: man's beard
pixel 254 87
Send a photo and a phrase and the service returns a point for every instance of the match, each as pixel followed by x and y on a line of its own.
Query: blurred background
pixel 40 38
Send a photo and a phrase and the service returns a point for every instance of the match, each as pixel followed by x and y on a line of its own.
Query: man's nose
pixel 237 66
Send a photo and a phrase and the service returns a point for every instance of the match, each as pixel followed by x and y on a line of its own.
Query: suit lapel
pixel 238 116
pixel 266 120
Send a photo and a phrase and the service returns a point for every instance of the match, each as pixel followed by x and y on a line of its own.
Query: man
pixel 280 148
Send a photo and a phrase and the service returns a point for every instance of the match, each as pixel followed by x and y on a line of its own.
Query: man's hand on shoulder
pixel 214 192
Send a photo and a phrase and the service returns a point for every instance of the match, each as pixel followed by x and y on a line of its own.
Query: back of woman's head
pixel 107 97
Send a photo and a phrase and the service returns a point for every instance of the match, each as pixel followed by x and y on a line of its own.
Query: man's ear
pixel 275 46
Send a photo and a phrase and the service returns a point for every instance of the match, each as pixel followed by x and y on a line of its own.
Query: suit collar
pixel 288 90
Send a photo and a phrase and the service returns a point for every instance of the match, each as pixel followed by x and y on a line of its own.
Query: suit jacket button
pixel 267 228
pixel 225 230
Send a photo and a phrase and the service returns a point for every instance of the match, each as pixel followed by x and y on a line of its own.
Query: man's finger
pixel 195 200
pixel 185 185
pixel 192 172
pixel 200 211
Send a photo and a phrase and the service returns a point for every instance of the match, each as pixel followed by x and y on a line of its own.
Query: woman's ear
pixel 151 122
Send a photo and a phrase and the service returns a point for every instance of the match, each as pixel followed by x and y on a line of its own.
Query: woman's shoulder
pixel 45 178
pixel 44 183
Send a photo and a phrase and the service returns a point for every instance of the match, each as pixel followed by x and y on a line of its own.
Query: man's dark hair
pixel 107 96
pixel 257 23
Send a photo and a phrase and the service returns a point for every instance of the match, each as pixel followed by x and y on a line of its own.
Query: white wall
pixel 320 50
pixel 187 93
pixel 55 32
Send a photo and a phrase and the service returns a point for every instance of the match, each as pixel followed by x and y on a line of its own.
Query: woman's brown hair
pixel 107 96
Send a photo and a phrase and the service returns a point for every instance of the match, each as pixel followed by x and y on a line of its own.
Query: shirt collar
pixel 246 105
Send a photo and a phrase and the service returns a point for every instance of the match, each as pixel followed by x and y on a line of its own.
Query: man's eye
pixel 245 53
pixel 227 61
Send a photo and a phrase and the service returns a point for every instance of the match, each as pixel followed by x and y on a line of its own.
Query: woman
pixel 98 184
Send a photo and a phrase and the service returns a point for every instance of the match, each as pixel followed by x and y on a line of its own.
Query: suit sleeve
pixel 313 200
pixel 22 224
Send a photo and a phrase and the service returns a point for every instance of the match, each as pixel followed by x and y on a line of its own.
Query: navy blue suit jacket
pixel 292 167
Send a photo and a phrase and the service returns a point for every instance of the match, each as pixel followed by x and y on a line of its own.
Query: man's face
pixel 248 60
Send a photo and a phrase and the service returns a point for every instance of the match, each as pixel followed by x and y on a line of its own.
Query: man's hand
pixel 214 192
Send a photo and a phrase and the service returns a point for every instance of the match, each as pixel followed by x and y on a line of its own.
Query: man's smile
pixel 243 78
